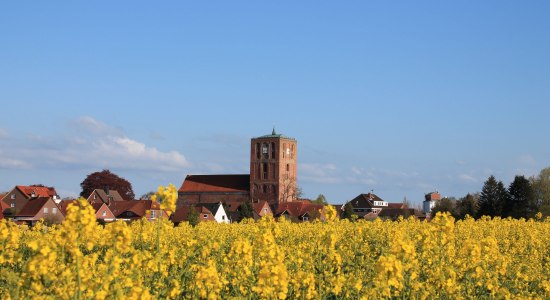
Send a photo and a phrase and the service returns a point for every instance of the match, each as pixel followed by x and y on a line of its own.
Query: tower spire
pixel 273 132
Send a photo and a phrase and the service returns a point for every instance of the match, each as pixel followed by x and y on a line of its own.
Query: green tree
pixel 321 199
pixel 492 198
pixel 193 216
pixel 541 188
pixel 466 206
pixel 444 205
pixel 349 213
pixel 245 210
pixel 521 202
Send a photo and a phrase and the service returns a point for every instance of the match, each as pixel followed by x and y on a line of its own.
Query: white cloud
pixel 95 145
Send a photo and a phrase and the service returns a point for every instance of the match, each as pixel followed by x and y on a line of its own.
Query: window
pixel 45 210
pixel 272 150
pixel 264 173
pixel 259 167
pixel 54 211
pixel 265 153
pixel 265 210
pixel 223 217
pixel 287 167
pixel 205 216
pixel 12 205
pixel 292 151
pixel 258 154
pixel 95 197
pixel 265 189
pixel 153 214
pixel 12 196
pixel 104 213
pixel 284 147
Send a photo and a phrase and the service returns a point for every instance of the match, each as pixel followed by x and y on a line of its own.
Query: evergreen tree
pixel 521 203
pixel 466 206
pixel 321 199
pixel 245 210
pixel 493 196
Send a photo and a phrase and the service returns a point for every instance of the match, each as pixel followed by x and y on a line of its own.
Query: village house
pixel 430 201
pixel 16 199
pixel 40 208
pixel 299 211
pixel 261 209
pixel 370 206
pixel 206 212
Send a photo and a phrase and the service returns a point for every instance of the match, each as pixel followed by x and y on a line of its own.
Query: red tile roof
pixel 297 208
pixel 216 183
pixel 258 206
pixel 182 213
pixel 39 191
pixel 395 205
pixel 32 207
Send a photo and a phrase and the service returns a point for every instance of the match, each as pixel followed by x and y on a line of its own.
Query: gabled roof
pixel 216 183
pixel 182 214
pixel 33 207
pixel 258 206
pixel 115 196
pixel 39 191
pixel 395 205
pixel 296 208
pixel 365 201
pixel 138 207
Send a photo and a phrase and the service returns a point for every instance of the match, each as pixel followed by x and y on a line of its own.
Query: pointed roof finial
pixel 273 133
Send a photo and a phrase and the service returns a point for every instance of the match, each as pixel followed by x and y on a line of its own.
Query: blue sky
pixel 399 97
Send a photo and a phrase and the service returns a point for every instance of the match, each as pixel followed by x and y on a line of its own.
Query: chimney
pixel 106 190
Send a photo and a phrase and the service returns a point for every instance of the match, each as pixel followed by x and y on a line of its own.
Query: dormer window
pixel 205 216
pixel 13 196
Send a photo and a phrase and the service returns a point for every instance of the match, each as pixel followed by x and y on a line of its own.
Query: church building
pixel 272 177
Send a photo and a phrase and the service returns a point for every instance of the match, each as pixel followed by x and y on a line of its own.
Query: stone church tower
pixel 273 168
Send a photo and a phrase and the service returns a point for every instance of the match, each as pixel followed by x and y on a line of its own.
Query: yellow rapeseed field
pixel 406 259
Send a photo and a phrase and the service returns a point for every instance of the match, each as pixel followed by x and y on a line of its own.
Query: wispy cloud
pixel 467 178
pixel 3 133
pixel 92 144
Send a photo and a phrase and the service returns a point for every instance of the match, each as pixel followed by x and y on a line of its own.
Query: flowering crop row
pixel 498 258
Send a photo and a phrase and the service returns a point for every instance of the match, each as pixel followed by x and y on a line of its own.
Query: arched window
pixel 265 151
pixel 259 171
pixel 265 189
pixel 284 150
pixel 264 174
pixel 292 151
pixel 272 150
pixel 258 153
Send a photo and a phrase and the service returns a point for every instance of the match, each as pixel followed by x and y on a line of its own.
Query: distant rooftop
pixel 274 135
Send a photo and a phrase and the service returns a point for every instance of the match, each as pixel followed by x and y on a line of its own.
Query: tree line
pixel 523 198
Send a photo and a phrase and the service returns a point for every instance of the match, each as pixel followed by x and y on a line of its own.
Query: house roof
pixel 181 214
pixel 274 135
pixel 64 204
pixel 39 191
pixel 32 207
pixel 296 208
pixel 432 196
pixel 395 205
pixel 365 200
pixel 257 207
pixel 138 207
pixel 104 197
pixel 216 183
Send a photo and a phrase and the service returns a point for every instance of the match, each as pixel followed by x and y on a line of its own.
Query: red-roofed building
pixel 198 189
pixel 301 210
pixel 272 177
pixel 137 209
pixel 262 209
pixel 39 208
pixel 206 212
pixel 20 195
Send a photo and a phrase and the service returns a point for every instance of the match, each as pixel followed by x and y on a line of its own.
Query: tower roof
pixel 275 135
